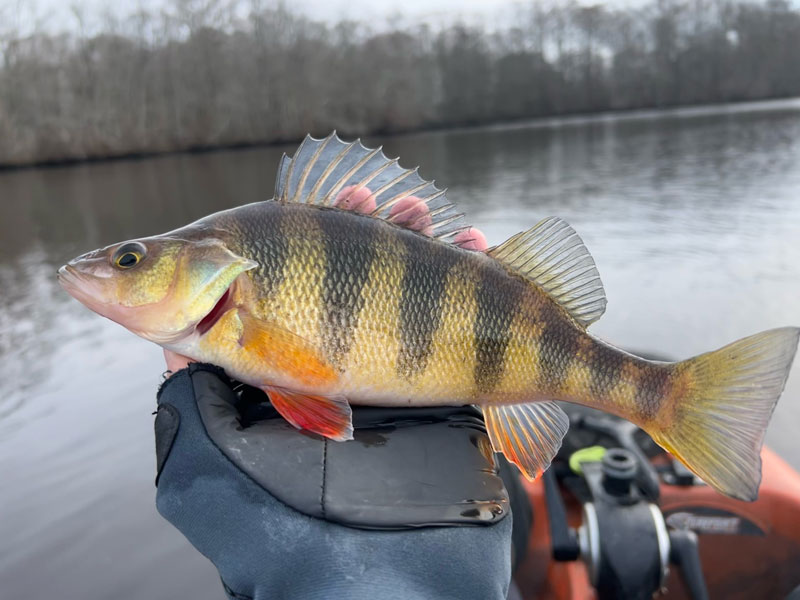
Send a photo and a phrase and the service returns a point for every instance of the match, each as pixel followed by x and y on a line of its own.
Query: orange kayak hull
pixel 748 549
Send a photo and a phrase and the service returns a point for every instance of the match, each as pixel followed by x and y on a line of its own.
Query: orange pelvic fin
pixel 329 416
pixel 529 435
pixel 285 351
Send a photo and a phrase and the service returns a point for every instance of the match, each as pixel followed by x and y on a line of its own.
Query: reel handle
pixel 684 553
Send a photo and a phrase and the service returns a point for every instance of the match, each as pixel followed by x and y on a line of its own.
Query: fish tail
pixel 720 404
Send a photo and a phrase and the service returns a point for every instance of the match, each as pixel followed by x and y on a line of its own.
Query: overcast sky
pixel 57 14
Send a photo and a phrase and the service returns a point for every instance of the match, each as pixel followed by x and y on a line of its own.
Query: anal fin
pixel 329 416
pixel 529 435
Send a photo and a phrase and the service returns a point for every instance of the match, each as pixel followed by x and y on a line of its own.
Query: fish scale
pixel 506 307
pixel 322 307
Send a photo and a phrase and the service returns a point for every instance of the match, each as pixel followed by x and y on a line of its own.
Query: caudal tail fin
pixel 722 403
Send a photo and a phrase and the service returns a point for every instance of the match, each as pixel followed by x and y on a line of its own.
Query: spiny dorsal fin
pixel 553 256
pixel 321 168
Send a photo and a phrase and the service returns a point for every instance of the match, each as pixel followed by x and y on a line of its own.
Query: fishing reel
pixel 623 539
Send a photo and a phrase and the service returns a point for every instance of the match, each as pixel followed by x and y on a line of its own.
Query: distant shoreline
pixel 554 121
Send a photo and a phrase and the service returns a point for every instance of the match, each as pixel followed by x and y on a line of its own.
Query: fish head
pixel 160 288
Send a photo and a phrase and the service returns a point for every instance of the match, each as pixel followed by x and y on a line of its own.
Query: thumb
pixel 176 362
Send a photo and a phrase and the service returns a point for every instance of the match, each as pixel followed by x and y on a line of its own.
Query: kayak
pixel 617 517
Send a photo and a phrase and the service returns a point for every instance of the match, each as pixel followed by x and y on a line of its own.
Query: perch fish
pixel 323 308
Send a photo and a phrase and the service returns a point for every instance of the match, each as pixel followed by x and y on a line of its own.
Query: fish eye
pixel 129 255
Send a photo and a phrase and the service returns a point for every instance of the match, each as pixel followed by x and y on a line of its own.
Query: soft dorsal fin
pixel 321 168
pixel 554 257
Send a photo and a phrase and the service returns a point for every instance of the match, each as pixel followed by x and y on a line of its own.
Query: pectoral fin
pixel 529 435
pixel 285 351
pixel 329 416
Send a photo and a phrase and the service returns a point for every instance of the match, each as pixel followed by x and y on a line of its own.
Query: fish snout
pixel 93 264
pixel 67 276
pixel 87 280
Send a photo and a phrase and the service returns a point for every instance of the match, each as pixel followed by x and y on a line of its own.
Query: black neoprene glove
pixel 411 508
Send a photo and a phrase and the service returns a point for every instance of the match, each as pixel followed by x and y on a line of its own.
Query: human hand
pixel 175 362
pixel 283 513
pixel 406 468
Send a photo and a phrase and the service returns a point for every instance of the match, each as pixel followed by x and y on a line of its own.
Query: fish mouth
pixel 80 287
pixel 67 276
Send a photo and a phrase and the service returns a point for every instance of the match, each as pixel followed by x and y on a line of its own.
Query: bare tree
pixel 214 73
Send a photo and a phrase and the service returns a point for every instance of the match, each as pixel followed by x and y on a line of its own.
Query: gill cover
pixel 204 272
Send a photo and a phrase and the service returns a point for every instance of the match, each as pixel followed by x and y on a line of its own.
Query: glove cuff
pixel 187 372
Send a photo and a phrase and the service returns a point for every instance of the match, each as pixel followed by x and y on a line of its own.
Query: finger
pixel 176 362
pixel 471 239
pixel 357 198
pixel 413 213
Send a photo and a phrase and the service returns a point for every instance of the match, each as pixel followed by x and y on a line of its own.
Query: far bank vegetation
pixel 201 74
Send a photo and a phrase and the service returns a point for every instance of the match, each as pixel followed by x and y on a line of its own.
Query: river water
pixel 693 218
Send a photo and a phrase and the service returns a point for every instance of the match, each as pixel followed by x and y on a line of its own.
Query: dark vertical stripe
pixel 607 367
pixel 349 251
pixel 655 384
pixel 427 265
pixel 261 226
pixel 498 298
pixel 558 347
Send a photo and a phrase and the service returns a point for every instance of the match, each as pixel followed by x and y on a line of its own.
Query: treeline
pixel 208 73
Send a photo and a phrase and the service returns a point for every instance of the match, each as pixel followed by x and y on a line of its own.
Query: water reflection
pixel 693 219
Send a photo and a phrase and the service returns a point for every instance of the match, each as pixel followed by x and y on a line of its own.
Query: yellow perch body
pixel 323 307
pixel 394 318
